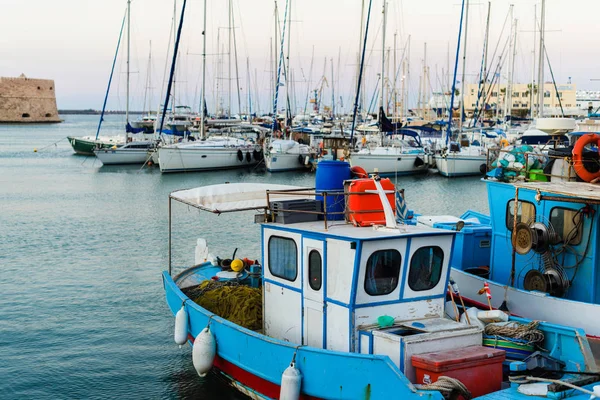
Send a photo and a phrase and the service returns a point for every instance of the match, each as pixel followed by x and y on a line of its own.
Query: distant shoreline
pixel 96 112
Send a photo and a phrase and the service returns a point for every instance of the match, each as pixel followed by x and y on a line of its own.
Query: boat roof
pixel 230 197
pixel 343 230
pixel 582 190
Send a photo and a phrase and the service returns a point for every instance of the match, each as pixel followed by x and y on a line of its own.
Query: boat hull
pixel 110 156
pixel 278 162
pixel 86 147
pixel 459 165
pixel 254 363
pixel 174 159
pixel 400 164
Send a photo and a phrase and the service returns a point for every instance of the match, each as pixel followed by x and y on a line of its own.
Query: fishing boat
pixel 350 304
pixel 544 261
pixel 131 153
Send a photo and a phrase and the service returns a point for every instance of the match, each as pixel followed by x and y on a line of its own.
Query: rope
pixel 527 379
pixel 528 333
pixel 447 386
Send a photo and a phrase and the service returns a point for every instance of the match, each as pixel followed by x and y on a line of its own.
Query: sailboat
pixel 85 145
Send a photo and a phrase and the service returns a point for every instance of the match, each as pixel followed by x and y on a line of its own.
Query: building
pixel 588 101
pixel 29 100
pixel 521 99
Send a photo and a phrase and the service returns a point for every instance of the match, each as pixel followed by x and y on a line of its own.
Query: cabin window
pixel 568 224
pixel 315 270
pixel 283 258
pixel 383 271
pixel 525 213
pixel 425 268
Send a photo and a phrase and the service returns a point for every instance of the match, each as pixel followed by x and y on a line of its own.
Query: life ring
pixel 359 172
pixel 240 155
pixel 578 164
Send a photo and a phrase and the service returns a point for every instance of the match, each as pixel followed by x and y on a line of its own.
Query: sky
pixel 74 42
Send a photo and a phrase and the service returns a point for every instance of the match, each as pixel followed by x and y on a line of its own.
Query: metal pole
pixel 202 116
pixel 170 235
pixel 464 60
pixel 541 63
pixel 128 54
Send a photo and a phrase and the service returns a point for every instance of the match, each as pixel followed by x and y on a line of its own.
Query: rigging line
pixel 482 68
pixel 111 76
pixel 562 111
pixel 235 55
pixel 173 65
pixel 448 130
pixel 279 66
pixel 360 72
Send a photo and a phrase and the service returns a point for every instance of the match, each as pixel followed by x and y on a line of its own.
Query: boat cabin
pixel 334 288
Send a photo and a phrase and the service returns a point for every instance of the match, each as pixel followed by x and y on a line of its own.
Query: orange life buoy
pixel 578 165
pixel 359 172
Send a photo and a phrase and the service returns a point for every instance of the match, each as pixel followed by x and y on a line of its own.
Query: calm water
pixel 82 247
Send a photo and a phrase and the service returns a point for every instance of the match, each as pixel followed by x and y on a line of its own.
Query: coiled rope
pixel 448 386
pixel 526 332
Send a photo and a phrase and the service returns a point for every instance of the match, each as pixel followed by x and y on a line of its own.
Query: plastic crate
pixel 291 211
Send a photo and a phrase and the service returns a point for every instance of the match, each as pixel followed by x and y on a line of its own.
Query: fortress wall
pixel 27 100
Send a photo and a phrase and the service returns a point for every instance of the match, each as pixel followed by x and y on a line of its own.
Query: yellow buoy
pixel 237 265
pixel 35 150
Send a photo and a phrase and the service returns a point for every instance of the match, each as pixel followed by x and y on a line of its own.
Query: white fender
pixel 204 351
pixel 181 326
pixel 291 381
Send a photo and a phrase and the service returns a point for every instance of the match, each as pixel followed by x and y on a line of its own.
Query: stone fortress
pixel 26 100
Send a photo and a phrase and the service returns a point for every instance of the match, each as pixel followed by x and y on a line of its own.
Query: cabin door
pixel 313 267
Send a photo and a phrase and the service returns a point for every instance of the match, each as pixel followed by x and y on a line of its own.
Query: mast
pixel 128 55
pixel 174 46
pixel 249 85
pixel 485 58
pixel 507 94
pixel 424 81
pixel 448 129
pixel 202 101
pixel 332 92
pixel 394 96
pixel 383 59
pixel 531 92
pixel 360 45
pixel 229 62
pixel 407 78
pixel 237 73
pixel 464 60
pixel 541 62
pixel 287 67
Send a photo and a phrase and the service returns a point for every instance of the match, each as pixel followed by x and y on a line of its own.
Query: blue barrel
pixel 330 178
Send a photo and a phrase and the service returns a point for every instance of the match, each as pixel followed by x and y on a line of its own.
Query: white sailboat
pixel 136 152
pixel 207 155
pixel 286 155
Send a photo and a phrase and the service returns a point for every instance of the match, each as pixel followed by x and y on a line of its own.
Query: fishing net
pixel 237 303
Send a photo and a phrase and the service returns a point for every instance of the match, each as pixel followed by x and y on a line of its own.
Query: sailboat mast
pixel 249 86
pixel 394 93
pixel 541 62
pixel 424 81
pixel 464 60
pixel 202 101
pixel 332 91
pixel 531 92
pixel 128 54
pixel 229 62
pixel 381 100
pixel 150 77
pixel 507 95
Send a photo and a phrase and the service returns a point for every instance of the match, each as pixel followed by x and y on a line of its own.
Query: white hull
pixel 459 165
pixel 532 305
pixel 402 164
pixel 174 159
pixel 277 162
pixel 122 156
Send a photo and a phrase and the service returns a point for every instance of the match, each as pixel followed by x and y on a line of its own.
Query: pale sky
pixel 73 42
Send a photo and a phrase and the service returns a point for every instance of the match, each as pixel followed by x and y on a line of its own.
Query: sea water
pixel 82 248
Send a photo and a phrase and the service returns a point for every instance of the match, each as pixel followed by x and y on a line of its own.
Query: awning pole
pixel 514 240
pixel 169 235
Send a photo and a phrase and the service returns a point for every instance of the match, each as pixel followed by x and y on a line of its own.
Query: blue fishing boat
pixel 346 302
pixel 543 263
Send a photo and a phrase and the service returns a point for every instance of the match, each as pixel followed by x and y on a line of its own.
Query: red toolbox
pixel 478 368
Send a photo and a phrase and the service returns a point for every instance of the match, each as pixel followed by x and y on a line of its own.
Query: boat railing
pixel 325 213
